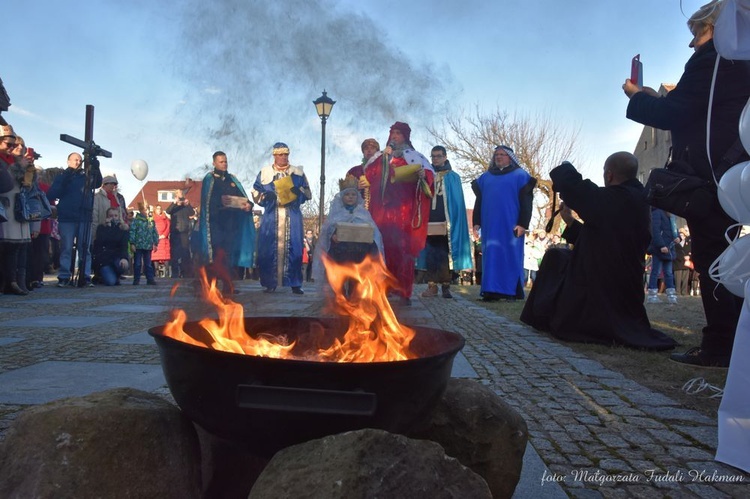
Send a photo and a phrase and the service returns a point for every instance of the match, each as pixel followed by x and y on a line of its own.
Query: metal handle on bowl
pixel 279 398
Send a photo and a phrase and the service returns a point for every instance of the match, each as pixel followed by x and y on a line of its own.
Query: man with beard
pixel 227 232
pixel 281 189
pixel 401 182
pixel 448 248
pixel 369 148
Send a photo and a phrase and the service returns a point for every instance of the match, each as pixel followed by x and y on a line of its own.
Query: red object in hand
pixel 636 70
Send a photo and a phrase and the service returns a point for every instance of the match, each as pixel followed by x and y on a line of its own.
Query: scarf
pixel 113 203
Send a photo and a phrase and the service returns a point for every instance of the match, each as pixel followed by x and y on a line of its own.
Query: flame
pixel 360 293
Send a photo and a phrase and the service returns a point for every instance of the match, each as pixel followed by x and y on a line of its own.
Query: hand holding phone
pixel 636 71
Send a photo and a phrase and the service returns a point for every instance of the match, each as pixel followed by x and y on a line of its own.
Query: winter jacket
pixel 68 189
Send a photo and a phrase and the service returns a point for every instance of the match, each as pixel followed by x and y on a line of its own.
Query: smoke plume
pixel 253 68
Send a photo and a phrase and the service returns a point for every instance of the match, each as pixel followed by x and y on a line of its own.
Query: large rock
pixel 229 468
pixel 117 443
pixel 479 429
pixel 367 463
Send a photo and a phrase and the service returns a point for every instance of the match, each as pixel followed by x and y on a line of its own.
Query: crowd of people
pixel 410 210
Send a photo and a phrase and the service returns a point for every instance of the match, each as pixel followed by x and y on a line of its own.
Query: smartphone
pixel 636 70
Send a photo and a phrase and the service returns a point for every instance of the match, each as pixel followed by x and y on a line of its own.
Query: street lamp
pixel 323 106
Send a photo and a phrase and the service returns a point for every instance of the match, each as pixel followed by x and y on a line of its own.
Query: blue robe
pixel 240 254
pixel 458 225
pixel 504 200
pixel 281 232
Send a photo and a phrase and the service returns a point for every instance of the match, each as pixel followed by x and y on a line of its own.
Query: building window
pixel 165 196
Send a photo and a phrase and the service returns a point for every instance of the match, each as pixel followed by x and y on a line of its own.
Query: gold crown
pixel 350 182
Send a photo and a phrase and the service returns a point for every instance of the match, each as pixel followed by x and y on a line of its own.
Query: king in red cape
pixel 401 183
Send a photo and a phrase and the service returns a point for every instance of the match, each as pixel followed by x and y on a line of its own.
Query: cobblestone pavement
pixel 599 433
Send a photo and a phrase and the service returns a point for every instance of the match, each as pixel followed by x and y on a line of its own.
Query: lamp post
pixel 323 106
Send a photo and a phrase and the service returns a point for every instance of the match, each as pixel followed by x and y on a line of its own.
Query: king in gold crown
pixel 350 182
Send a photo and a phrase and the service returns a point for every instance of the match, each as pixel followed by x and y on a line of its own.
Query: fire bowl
pixel 269 404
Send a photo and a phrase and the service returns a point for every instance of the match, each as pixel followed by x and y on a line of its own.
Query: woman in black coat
pixel 684 112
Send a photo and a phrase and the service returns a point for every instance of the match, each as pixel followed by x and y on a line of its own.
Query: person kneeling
pixel 594 292
pixel 110 253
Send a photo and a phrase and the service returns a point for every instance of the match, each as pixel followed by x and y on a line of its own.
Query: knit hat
pixel 109 179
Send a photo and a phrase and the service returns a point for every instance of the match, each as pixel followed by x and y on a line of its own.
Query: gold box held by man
pixel 437 228
pixel 284 194
pixel 354 233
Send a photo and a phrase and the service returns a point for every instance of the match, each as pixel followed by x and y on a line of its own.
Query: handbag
pixel 680 193
pixel 32 204
pixel 678 190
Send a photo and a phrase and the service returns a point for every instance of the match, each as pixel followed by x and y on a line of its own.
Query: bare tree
pixel 539 143
pixel 311 208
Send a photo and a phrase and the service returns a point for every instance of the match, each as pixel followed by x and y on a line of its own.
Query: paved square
pixel 58 321
pixel 132 308
pixel 136 339
pixel 63 301
pixel 46 381
pixel 8 341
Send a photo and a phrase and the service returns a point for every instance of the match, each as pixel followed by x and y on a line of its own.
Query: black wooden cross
pixel 90 152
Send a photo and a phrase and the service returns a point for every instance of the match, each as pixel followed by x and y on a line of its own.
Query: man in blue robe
pixel 281 189
pixel 504 198
pixel 227 232
pixel 448 248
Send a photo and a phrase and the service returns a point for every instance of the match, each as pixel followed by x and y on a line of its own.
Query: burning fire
pixel 360 293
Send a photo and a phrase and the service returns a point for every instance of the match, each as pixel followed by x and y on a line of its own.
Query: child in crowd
pixel 347 207
pixel 144 239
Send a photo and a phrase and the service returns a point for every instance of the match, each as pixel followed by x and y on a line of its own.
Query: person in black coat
pixel 681 269
pixel 594 292
pixel 180 229
pixel 684 112
pixel 110 251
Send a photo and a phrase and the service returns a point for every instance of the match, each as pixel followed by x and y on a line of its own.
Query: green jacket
pixel 143 233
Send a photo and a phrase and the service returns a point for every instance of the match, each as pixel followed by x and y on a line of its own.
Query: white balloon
pixel 745 183
pixel 732 268
pixel 139 168
pixel 730 194
pixel 745 126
